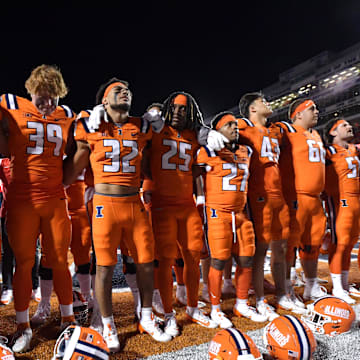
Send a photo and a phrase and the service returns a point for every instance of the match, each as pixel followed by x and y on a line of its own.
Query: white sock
pixel 215 307
pixel 22 316
pixel 146 314
pixel 293 274
pixel 180 290
pixel 46 287
pixel 310 283
pixel 241 302
pixel 336 280
pixel 85 284
pixel 66 310
pixel 345 279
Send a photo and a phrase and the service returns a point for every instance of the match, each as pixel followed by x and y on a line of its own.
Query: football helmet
pixel 77 342
pixel 329 315
pixel 80 307
pixel 232 344
pixel 5 352
pixel 287 337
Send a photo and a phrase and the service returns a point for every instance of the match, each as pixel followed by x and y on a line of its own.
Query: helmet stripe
pixel 94 352
pixel 302 336
pixel 240 341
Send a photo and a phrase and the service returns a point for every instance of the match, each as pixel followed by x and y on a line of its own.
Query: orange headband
pixel 224 120
pixel 180 100
pixel 339 122
pixel 303 106
pixel 111 86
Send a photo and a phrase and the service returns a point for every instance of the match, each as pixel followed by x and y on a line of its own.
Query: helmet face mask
pixel 5 352
pixel 330 316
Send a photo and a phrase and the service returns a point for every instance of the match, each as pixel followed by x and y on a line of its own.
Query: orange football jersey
pixel 226 179
pixel 36 144
pixel 264 166
pixel 172 157
pixel 116 151
pixel 304 150
pixel 342 171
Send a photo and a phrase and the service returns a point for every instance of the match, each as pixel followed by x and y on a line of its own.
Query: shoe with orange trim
pixel 151 327
pixel 198 317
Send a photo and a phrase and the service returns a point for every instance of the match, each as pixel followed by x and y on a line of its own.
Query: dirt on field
pixel 134 345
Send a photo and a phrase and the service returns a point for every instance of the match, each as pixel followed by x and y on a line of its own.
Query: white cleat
pixel 315 293
pixel 111 338
pixel 266 310
pixel 198 317
pixel 151 327
pixel 171 328
pixel 249 312
pixel 296 300
pixel 157 303
pixel 41 314
pixel 23 340
pixel 344 295
pixel 286 303
pixel 220 319
pixel 6 297
pixel 36 294
pixel 353 291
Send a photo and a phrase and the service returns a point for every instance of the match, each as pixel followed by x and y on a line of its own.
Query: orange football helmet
pixel 287 337
pixel 232 344
pixel 330 315
pixel 80 307
pixel 5 352
pixel 77 342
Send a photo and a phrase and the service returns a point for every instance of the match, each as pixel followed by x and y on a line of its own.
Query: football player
pixel 302 164
pixel 35 133
pixel 229 231
pixel 268 209
pixel 114 143
pixel 343 189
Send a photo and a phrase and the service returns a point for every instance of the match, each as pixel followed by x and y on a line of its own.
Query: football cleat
pixel 316 292
pixel 6 297
pixel 111 338
pixel 249 312
pixel 157 303
pixel 286 303
pixel 36 294
pixel 171 328
pixel 5 352
pixel 198 317
pixel 41 314
pixel 329 315
pixel 353 291
pixel 266 310
pixel 344 295
pixel 220 319
pixel 22 338
pixel 152 328
pixel 230 344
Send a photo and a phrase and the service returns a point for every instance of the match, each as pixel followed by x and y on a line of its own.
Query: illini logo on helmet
pixel 335 311
pixel 278 336
pixel 214 347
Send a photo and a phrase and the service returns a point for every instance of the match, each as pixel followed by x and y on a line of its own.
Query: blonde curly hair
pixel 46 79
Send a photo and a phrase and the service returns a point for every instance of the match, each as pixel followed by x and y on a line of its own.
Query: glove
pixel 216 141
pixel 97 114
pixel 154 118
pixel 202 135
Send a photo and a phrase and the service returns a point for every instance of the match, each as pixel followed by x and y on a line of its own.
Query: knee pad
pixel 179 262
pixel 83 269
pixel 45 273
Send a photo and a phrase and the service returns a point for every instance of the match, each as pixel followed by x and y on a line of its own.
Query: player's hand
pixel 154 118
pixel 97 114
pixel 216 141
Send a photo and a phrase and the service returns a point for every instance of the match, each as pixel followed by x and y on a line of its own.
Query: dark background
pixel 215 51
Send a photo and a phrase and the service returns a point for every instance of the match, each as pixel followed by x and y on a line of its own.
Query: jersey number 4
pixel 53 135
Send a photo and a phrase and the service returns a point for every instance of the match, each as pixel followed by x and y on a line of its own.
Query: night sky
pixel 215 52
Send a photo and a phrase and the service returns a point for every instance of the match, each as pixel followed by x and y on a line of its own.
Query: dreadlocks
pixel 194 118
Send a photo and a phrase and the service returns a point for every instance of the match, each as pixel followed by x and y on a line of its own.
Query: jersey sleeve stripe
pixel 68 111
pixel 289 127
pixel 83 121
pixel 332 149
pixel 11 102
pixel 248 122
pixel 250 150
